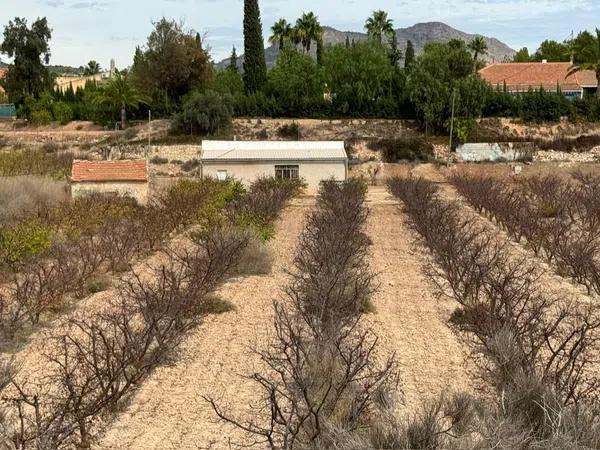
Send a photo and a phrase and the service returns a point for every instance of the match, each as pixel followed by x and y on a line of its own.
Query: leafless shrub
pixel 558 220
pixel 513 328
pixel 97 361
pixel 256 259
pixel 321 370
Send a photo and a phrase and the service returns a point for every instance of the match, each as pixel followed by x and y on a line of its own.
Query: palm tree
pixel 119 93
pixel 593 64
pixel 282 31
pixel 307 29
pixel 92 68
pixel 479 47
pixel 379 25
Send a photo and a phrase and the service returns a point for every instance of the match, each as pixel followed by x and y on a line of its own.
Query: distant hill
pixel 57 70
pixel 420 34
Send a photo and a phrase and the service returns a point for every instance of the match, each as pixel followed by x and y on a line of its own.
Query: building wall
pixel 137 190
pixel 312 172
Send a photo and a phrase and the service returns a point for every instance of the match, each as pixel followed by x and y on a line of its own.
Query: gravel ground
pixel 409 320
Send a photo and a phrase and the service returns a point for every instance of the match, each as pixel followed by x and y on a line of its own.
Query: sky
pixel 105 29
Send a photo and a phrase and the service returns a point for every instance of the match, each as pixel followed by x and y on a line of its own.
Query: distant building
pixel 120 177
pixel 520 77
pixel 313 161
pixel 63 83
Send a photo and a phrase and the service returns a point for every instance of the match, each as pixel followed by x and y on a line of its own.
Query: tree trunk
pixel 123 117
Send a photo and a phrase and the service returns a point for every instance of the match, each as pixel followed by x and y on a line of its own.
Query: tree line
pixel 173 75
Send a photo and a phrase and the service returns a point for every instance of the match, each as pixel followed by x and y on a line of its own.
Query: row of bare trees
pixel 321 385
pixel 44 283
pixel 537 349
pixel 96 362
pixel 558 219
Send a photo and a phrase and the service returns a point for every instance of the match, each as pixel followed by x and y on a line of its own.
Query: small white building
pixel 312 161
pixel 119 177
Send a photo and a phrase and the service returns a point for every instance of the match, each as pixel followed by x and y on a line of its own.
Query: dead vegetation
pixel 94 362
pixel 322 381
pixel 558 218
pixel 535 348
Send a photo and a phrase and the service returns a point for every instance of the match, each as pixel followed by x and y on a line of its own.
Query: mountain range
pixel 419 34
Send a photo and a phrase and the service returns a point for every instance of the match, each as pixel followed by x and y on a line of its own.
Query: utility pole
pixel 452 119
pixel 149 134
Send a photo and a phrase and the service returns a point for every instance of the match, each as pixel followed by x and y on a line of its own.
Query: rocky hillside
pixel 420 34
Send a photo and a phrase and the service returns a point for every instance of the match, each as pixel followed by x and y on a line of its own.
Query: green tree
pixel 233 61
pixel 522 56
pixel 359 77
pixel 295 83
pixel 281 32
pixel 255 66
pixel 395 52
pixel 379 25
pixel 30 50
pixel 228 82
pixel 92 68
pixel 591 60
pixel 205 112
pixel 584 47
pixel 308 29
pixel 479 47
pixel 434 76
pixel 120 94
pixel 409 55
pixel 172 64
pixel 552 51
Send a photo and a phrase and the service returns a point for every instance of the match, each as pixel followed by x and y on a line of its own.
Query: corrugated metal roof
pixel 118 170
pixel 273 150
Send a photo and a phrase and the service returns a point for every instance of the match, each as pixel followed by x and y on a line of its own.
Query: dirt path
pixel 168 411
pixel 409 320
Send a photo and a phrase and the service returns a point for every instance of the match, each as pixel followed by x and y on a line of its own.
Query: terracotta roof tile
pixel 522 76
pixel 121 170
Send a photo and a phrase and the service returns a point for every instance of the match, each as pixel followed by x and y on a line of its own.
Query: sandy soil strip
pixel 168 411
pixel 409 319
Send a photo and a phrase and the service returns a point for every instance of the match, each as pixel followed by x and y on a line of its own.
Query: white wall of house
pixel 313 172
pixel 135 189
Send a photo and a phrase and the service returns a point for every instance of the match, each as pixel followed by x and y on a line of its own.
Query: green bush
pixel 257 224
pixel 206 112
pixel 41 117
pixel 22 241
pixel 158 160
pixel 407 149
pixel 62 112
pixel 190 165
pixel 289 131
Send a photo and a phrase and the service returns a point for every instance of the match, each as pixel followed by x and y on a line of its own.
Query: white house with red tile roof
pixel 520 77
pixel 120 177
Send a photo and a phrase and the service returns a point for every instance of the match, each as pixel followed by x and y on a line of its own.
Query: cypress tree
pixel 255 66
pixel 409 57
pixel 347 42
pixel 395 53
pixel 233 61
